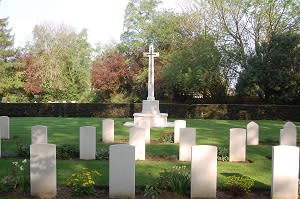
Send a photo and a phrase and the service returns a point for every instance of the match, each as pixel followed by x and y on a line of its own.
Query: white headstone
pixel 108 130
pixel 178 124
pixel 137 139
pixel 288 136
pixel 285 172
pixel 187 139
pixel 204 171
pixel 252 133
pixel 4 127
pixel 121 171
pixel 87 143
pixel 237 146
pixel 145 124
pixel 39 134
pixel 289 124
pixel 43 170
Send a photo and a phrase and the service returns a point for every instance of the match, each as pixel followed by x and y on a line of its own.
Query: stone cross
pixel 151 54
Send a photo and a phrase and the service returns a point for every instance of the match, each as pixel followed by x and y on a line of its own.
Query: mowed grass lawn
pixel 209 132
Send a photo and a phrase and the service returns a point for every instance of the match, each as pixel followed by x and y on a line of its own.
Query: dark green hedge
pixel 206 111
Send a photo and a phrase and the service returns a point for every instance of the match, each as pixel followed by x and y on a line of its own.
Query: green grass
pixel 212 132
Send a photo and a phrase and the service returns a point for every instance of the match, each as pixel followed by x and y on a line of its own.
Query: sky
pixel 102 18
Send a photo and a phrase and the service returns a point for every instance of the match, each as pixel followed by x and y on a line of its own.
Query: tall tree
pixel 194 70
pixel 11 81
pixel 62 61
pixel 243 25
pixel 274 73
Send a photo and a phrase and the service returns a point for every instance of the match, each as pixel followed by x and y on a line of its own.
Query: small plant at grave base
pixel 102 154
pixel 239 185
pixel 67 151
pixel 168 137
pixel 23 150
pixel 7 184
pixel 176 180
pixel 83 182
pixel 223 154
pixel 152 190
pixel 21 175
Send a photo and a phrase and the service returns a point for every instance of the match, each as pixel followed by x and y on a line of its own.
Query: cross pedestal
pixel 150 110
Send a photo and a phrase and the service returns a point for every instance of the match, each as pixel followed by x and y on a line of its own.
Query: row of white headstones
pixel 285 168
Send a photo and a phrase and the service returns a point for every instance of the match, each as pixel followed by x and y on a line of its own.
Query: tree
pixel 274 73
pixel 242 26
pixel 112 77
pixel 11 81
pixel 61 62
pixel 194 70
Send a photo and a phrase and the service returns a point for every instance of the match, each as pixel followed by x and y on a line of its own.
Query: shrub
pixel 83 182
pixel 23 150
pixel 7 184
pixel 152 190
pixel 102 154
pixel 176 180
pixel 21 175
pixel 67 151
pixel 223 154
pixel 239 185
pixel 168 137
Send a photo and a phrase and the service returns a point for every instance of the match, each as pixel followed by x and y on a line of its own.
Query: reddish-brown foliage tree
pixel 33 82
pixel 111 73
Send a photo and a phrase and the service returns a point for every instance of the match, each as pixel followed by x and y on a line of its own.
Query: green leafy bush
pixel 83 182
pixel 223 154
pixel 67 151
pixel 176 180
pixel 102 154
pixel 239 185
pixel 21 174
pixel 7 184
pixel 167 137
pixel 23 150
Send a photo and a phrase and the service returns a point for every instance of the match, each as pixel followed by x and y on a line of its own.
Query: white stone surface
pixel 288 136
pixel 285 172
pixel 145 124
pixel 4 127
pixel 43 170
pixel 252 133
pixel 39 134
pixel 108 131
pixel 121 171
pixel 204 171
pixel 187 139
pixel 289 124
pixel 178 124
pixel 237 146
pixel 87 143
pixel 137 138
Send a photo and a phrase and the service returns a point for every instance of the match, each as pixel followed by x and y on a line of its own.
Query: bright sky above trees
pixel 102 18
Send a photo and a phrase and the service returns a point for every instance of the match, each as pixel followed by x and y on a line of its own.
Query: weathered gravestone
pixel 39 134
pixel 121 171
pixel 288 136
pixel 178 124
pixel 252 133
pixel 204 171
pixel 43 170
pixel 4 127
pixel 285 172
pixel 289 124
pixel 108 130
pixel 137 139
pixel 237 146
pixel 187 139
pixel 87 143
pixel 145 124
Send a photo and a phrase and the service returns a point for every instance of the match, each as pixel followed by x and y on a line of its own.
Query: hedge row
pixel 205 111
